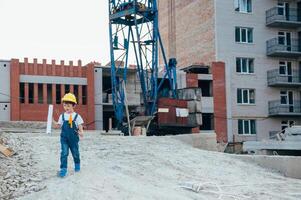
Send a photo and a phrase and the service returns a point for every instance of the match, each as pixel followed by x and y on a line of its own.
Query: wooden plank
pixel 6 151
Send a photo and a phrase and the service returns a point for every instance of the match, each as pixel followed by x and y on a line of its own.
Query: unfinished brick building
pixel 35 85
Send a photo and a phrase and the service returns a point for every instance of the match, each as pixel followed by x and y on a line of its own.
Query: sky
pixel 55 29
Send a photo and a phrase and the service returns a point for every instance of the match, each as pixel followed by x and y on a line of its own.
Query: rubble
pixel 17 173
pixel 117 167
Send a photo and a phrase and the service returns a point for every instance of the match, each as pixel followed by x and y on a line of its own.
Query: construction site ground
pixel 134 168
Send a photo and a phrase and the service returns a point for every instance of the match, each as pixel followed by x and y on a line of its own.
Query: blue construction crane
pixel 135 36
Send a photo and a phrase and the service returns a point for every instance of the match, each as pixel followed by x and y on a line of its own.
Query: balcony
pixel 278 80
pixel 284 110
pixel 274 18
pixel 277 49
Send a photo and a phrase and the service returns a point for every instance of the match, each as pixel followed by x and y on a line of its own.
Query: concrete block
pixel 113 133
pixel 194 106
pixel 287 165
pixel 205 141
pixel 195 119
pixel 190 94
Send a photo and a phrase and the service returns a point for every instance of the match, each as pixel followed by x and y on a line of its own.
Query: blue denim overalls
pixel 69 139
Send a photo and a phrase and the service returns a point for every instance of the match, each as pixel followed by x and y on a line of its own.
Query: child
pixel 71 126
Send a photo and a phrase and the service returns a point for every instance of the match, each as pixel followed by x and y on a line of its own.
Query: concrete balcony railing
pixel 278 109
pixel 273 135
pixel 276 18
pixel 277 49
pixel 280 80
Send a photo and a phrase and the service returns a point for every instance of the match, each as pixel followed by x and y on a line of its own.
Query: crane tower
pixel 135 39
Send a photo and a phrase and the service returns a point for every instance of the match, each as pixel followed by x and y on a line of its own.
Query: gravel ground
pixel 134 168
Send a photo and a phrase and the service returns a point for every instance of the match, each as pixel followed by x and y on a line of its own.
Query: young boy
pixel 71 126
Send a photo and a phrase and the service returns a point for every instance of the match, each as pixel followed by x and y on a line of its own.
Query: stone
pixel 7 176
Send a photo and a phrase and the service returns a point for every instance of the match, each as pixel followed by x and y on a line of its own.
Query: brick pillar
pixel 62 68
pixel 79 73
pixel 26 68
pixel 15 90
pixel 70 68
pixel 26 93
pixel 80 95
pixel 192 80
pixel 44 91
pixel 35 93
pixel 72 89
pixel 53 94
pixel 62 90
pixel 90 97
pixel 53 68
pixel 44 67
pixel 219 101
pixel 35 66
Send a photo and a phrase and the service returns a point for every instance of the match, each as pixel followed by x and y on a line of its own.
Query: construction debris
pixel 133 168
pixel 6 150
pixel 17 173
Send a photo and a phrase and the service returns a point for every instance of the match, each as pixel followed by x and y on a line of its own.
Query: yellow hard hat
pixel 69 97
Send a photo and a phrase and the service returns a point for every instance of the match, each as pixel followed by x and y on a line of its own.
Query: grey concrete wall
pixel 98 85
pixel 207 105
pixel 98 98
pixel 99 117
pixel 4 81
pixel 205 141
pixel 4 90
pixel 4 111
pixel 133 89
pixel 287 165
pixel 53 80
pixel 227 50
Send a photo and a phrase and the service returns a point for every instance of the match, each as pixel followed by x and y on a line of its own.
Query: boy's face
pixel 68 107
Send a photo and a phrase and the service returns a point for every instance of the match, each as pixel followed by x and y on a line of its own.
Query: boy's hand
pixel 55 123
pixel 81 134
pixel 80 131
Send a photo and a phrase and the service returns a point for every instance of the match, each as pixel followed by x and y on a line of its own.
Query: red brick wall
pixel 38 112
pixel 219 101
pixel 192 81
pixel 187 26
pixel 14 89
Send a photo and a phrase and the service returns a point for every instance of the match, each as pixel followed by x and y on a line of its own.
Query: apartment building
pixel 260 43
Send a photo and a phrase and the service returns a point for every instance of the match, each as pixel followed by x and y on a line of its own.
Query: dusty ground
pixel 134 168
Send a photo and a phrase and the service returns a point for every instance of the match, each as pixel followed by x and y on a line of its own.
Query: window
pixel 49 94
pixel 206 87
pixel 22 93
pixel 286 97
pixel 283 8
pixel 284 67
pixel 67 89
pixel 244 6
pixel 30 93
pixel 246 127
pixel 246 96
pixel 286 124
pixel 243 35
pixel 40 93
pixel 75 88
pixel 84 97
pixel 58 94
pixel 245 65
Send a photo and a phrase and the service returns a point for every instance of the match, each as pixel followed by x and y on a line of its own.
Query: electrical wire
pixel 214 116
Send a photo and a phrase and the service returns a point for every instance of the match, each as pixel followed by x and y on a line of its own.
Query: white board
pixel 49 119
